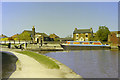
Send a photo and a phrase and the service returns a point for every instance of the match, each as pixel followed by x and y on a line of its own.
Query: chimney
pixel 33 33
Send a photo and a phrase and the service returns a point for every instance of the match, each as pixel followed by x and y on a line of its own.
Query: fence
pixel 15 42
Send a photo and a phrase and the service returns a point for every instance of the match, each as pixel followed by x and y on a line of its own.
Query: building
pixel 54 36
pixel 82 34
pixel 114 37
pixel 42 37
pixel 14 36
pixel 66 39
pixel 36 36
pixel 3 36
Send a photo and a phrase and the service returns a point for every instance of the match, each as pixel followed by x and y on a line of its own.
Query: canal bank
pixel 27 67
pixel 60 46
pixel 89 63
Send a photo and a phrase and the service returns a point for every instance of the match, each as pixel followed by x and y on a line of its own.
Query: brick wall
pixel 113 39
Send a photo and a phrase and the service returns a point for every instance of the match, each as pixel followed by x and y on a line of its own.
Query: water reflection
pixel 8 64
pixel 90 63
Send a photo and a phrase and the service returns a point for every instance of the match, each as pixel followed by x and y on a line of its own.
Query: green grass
pixel 41 59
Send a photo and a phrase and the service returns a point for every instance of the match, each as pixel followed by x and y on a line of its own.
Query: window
pixel 90 42
pixel 80 42
pixel 76 35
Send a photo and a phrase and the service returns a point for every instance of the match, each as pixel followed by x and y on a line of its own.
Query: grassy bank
pixel 41 59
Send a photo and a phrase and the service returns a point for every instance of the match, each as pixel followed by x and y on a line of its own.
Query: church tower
pixel 33 33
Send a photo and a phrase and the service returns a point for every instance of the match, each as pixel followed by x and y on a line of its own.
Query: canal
pixel 8 64
pixel 90 63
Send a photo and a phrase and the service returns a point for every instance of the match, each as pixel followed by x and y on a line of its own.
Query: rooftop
pixel 116 32
pixel 43 34
pixel 14 35
pixel 27 31
pixel 82 30
pixel 2 36
pixel 54 35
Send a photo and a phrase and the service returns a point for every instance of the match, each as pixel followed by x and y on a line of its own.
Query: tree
pixel 102 33
pixel 94 38
pixel 24 36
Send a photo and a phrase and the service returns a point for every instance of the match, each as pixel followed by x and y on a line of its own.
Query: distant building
pixel 54 36
pixel 66 39
pixel 42 36
pixel 114 37
pixel 28 32
pixel 94 34
pixel 37 37
pixel 82 34
pixel 3 36
pixel 14 36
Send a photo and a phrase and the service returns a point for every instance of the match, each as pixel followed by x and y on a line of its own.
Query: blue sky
pixel 58 17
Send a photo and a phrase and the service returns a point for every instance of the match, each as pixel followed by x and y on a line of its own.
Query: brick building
pixel 114 37
pixel 82 34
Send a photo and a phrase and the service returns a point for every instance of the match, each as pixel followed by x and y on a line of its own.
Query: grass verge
pixel 41 59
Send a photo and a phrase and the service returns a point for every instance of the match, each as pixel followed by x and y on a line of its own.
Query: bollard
pixel 14 41
pixel 20 46
pixel 25 45
pixel 9 45
pixel 41 42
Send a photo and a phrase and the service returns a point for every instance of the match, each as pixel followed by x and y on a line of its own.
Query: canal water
pixel 90 63
pixel 8 64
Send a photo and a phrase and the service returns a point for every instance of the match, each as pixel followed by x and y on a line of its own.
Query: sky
pixel 60 18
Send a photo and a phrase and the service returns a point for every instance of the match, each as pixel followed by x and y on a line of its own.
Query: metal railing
pixel 15 42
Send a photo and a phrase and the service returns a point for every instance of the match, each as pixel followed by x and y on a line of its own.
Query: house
pixel 114 37
pixel 42 36
pixel 82 34
pixel 14 36
pixel 94 34
pixel 25 35
pixel 54 36
pixel 2 36
pixel 36 36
